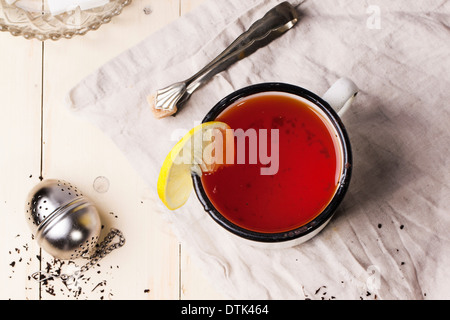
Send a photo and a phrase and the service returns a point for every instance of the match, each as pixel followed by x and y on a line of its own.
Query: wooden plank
pixel 188 5
pixel 147 267
pixel 152 262
pixel 20 135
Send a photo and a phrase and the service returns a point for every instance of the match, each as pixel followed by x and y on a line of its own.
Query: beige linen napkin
pixel 389 239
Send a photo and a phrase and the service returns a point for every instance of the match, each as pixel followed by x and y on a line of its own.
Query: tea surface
pixel 308 172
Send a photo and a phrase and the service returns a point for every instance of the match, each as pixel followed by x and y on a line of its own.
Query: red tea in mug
pixel 308 169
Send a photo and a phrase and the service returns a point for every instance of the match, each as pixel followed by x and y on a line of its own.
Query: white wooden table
pixel 40 138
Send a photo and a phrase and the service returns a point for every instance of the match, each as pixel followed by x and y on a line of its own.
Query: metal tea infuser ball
pixel 66 224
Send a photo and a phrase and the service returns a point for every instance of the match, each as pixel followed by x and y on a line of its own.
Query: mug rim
pixel 322 218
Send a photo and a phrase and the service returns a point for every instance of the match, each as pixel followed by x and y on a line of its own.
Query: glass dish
pixel 32 19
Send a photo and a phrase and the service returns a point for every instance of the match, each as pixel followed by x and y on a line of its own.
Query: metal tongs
pixel 277 21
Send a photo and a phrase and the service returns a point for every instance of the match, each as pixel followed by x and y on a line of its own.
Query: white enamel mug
pixel 331 106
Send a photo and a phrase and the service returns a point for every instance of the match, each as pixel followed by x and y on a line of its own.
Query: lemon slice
pixel 187 156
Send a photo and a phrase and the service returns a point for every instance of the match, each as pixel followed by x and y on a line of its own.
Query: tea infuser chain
pixel 104 248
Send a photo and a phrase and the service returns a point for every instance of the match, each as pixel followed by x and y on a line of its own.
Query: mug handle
pixel 341 95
